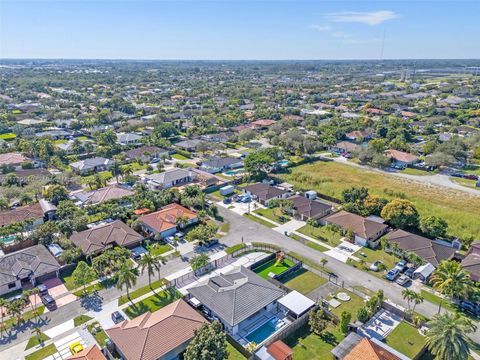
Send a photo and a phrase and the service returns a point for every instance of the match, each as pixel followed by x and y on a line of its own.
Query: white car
pixel 375 265
pixel 403 280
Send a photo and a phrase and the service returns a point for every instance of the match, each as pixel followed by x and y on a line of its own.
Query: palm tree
pixel 451 280
pixel 417 299
pixel 182 221
pixel 33 292
pixel 116 169
pixel 15 309
pixel 127 277
pixel 3 304
pixel 408 295
pixel 151 264
pixel 448 337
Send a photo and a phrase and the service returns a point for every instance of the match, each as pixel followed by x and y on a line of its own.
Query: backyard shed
pixel 424 271
pixel 227 190
pixel 296 304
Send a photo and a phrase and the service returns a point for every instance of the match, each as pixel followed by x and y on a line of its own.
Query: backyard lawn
pixel 260 221
pixel 321 233
pixel 352 306
pixel 42 353
pixel 458 208
pixel 274 214
pixel 272 267
pixel 406 339
pixel 304 281
pixel 308 346
pixel 142 291
pixel 370 256
pixel 234 354
pixel 158 248
pixel 98 333
pixel 153 303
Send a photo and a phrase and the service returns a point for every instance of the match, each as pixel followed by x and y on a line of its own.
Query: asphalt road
pixel 251 231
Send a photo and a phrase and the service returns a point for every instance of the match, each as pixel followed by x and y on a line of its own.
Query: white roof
pixel 425 270
pixel 296 302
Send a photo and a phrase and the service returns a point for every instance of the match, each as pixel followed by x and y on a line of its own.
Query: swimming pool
pixel 234 172
pixel 283 163
pixel 263 332
pixel 7 240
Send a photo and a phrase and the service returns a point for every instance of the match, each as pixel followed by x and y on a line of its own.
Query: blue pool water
pixel 264 331
pixel 233 172
pixel 283 163
pixel 7 239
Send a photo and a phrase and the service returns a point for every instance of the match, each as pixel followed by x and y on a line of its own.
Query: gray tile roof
pixel 19 264
pixel 169 176
pixel 220 162
pixel 237 295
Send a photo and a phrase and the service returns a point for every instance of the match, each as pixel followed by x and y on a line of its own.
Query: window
pixel 12 285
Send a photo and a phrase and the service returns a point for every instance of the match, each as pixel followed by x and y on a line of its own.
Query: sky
pixel 239 30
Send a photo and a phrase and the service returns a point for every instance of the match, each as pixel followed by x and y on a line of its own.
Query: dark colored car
pixel 49 302
pixel 42 289
pixel 117 317
pixel 211 243
pixel 227 200
pixel 392 274
pixel 470 307
pixel 457 174
pixel 410 272
pixel 470 176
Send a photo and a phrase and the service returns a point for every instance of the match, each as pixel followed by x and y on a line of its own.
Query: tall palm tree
pixel 448 337
pixel 451 280
pixel 26 294
pixel 408 295
pixel 151 264
pixel 116 169
pixel 15 309
pixel 126 276
pixel 417 299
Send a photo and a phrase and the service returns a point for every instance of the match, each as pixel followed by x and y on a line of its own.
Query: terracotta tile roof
pixel 111 192
pixel 12 158
pixel 150 336
pixel 89 353
pixel 263 122
pixel 98 238
pixel 166 217
pixel 401 156
pixel 33 211
pixel 361 226
pixel 279 350
pixel 367 350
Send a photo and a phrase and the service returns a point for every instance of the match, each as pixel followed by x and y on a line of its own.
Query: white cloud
pixel 322 28
pixel 369 18
pixel 341 35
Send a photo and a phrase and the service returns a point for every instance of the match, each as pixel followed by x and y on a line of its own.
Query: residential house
pixel 96 164
pixel 31 212
pixel 277 350
pixel 24 176
pixel 146 153
pixel 305 208
pixel 263 193
pixel 345 147
pixel 169 178
pixel 471 262
pixel 189 145
pixel 91 352
pixel 237 297
pixel 163 223
pixel 161 335
pixel 429 251
pixel 262 123
pixel 99 238
pixel 366 231
pixel 128 139
pixel 26 267
pixel 358 135
pixel 107 193
pixel 402 158
pixel 356 347
pixel 220 164
pixel 56 134
pixel 14 160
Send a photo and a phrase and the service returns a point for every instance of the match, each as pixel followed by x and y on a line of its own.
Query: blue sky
pixel 137 29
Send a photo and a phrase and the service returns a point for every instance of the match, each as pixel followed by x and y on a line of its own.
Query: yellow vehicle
pixel 76 347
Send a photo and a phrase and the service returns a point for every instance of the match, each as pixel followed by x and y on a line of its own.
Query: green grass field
pixel 304 281
pixel 352 306
pixel 179 157
pixel 309 243
pixel 81 319
pixel 42 353
pixel 273 214
pixel 258 220
pixel 459 209
pixel 8 136
pixel 406 339
pixel 271 267
pixel 141 291
pixel 332 238
pixel 153 303
pixel 234 354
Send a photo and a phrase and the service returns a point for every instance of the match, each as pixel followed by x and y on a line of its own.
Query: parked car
pixel 227 201
pixel 471 176
pixel 117 317
pixel 287 233
pixel 457 174
pixel 42 289
pixel 410 272
pixel 76 347
pixel 179 234
pixel 211 243
pixel 392 274
pixel 48 301
pixel 401 266
pixel 470 307
pixel 375 265
pixel 403 280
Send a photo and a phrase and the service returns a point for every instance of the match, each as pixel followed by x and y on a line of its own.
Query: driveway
pixel 63 345
pixel 344 251
pixel 290 226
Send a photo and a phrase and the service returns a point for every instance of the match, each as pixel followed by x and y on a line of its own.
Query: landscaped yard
pixel 272 267
pixel 260 221
pixel 309 346
pixel 142 291
pixel 179 157
pixel 406 339
pixel 458 208
pixel 98 333
pixel 321 233
pixel 234 354
pixel 274 214
pixel 159 248
pixel 104 284
pixel 352 306
pixel 216 194
pixel 434 299
pixel 370 256
pixel 465 182
pixel 304 281
pixel 29 315
pixel 36 340
pixel 418 172
pixel 153 303
pixel 42 353
pixel 81 319
pixel 309 243
pixel 66 277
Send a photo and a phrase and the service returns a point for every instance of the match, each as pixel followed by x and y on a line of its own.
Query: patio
pixel 380 325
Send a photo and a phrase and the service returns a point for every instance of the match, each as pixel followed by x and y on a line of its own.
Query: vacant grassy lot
pixel 321 233
pixel 273 214
pixel 406 339
pixel 459 209
pixel 304 281
pixel 153 303
pixel 272 267
pixel 308 346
